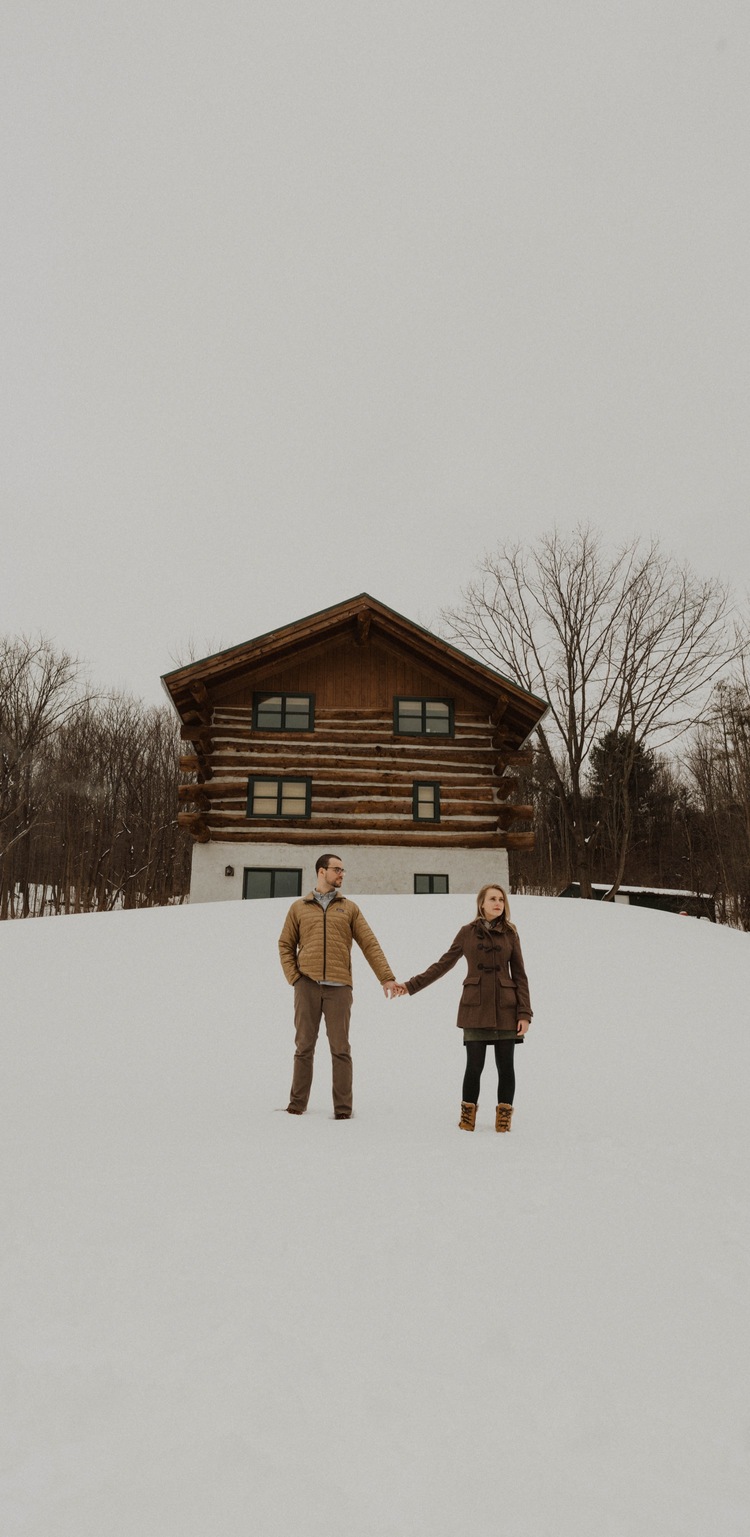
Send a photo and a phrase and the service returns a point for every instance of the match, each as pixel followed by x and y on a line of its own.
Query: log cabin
pixel 353 731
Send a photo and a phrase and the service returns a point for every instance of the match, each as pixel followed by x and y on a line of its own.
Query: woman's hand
pixel 522 1026
pixel 394 990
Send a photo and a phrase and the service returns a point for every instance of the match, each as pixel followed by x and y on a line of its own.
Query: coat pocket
pixel 470 995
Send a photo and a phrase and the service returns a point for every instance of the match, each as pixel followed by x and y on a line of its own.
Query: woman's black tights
pixel 506 1076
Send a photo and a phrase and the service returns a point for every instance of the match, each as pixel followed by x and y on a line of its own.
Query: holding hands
pixel 395 990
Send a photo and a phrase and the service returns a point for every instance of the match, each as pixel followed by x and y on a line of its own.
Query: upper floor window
pixel 283 712
pixel 423 717
pixel 268 797
pixel 426 801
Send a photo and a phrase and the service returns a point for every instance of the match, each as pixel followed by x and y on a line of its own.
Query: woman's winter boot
pixel 502 1117
pixel 468 1116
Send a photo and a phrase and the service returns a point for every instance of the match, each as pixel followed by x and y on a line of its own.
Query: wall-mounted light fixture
pixel 229 869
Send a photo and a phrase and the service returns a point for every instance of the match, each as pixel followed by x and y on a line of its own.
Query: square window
pixel 278 797
pixel 283 712
pixel 423 717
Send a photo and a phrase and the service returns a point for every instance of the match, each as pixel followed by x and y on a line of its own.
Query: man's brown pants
pixel 311 1000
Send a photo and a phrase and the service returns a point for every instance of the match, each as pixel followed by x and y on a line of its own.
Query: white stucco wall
pixel 368 869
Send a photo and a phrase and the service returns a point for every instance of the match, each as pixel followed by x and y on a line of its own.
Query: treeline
pixel 691 815
pixel 640 770
pixel 88 792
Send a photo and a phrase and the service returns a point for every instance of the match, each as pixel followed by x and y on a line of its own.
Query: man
pixel 316 953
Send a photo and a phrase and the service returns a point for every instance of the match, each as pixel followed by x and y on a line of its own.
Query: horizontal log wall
pixel 362 778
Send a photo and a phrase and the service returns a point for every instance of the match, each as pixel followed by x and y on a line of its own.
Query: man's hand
pixel 395 990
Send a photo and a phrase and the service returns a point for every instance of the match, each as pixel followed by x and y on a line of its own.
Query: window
pixel 272 883
pixel 283 712
pixel 425 800
pixel 423 717
pixel 430 883
pixel 278 797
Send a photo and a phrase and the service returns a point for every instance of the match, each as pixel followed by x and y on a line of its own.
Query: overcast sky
pixel 305 299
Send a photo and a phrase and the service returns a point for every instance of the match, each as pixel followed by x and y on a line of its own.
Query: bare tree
pixel 718 760
pixel 39 692
pixel 88 792
pixel 112 786
pixel 629 642
pixel 676 639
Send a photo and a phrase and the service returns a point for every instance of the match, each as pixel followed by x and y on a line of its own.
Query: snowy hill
pixel 219 1320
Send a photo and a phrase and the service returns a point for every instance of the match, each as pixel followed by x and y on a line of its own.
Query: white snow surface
pixel 220 1320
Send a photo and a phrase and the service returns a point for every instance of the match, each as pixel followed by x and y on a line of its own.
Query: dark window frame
pixel 273 872
pixel 424 700
pixel 259 699
pixel 420 784
pixel 431 889
pixel 280 780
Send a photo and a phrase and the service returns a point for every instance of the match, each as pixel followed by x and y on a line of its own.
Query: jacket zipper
pixel 325 915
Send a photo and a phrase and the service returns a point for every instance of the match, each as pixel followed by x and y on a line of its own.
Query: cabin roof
pixel 280 645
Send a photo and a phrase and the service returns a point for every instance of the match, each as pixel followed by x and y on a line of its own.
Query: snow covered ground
pixel 220 1320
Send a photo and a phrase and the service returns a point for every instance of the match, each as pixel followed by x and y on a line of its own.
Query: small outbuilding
pixel 358 732
pixel 665 899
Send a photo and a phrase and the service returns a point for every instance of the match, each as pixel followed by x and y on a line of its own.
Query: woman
pixel 494 1005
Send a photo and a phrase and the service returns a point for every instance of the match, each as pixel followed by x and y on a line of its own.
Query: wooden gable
pixel 346 634
pixel 347 677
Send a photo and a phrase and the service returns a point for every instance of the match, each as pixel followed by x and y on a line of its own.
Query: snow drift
pixel 220 1319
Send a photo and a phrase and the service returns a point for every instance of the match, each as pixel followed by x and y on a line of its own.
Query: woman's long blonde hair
pixel 495 886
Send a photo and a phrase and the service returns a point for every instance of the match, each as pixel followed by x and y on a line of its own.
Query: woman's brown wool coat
pixel 496 990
